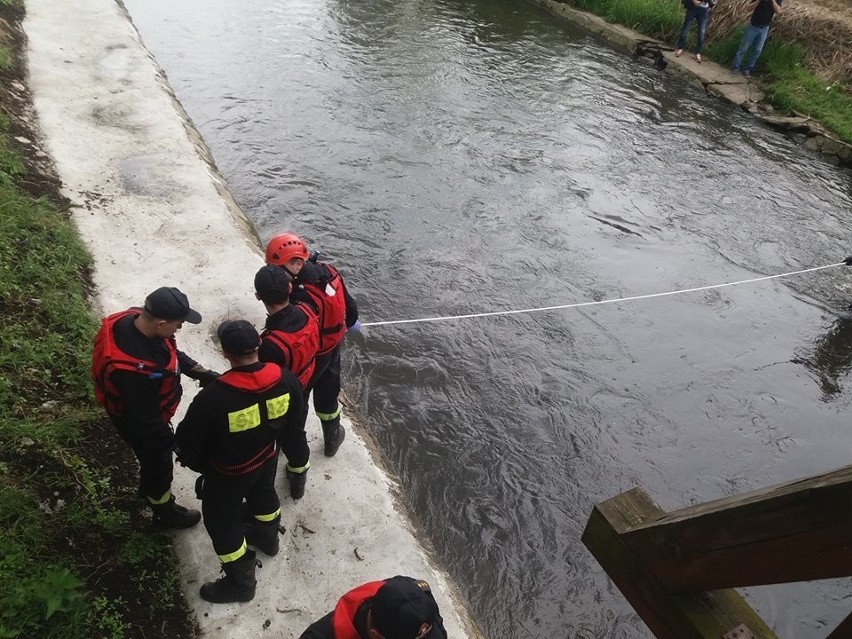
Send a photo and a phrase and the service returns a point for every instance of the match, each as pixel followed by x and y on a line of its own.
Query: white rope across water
pixel 601 302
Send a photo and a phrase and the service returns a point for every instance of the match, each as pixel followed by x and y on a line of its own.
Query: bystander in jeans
pixel 697 11
pixel 755 35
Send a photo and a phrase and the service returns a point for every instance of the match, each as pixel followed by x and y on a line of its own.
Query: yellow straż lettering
pixel 244 419
pixel 277 406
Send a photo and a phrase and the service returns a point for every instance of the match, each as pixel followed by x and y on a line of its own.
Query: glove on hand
pixel 199 487
pixel 355 327
pixel 203 375
pixel 848 261
pixel 207 378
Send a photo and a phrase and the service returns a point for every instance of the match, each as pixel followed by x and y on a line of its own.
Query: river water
pixel 459 157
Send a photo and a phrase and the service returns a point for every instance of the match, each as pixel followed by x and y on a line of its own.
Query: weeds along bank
pixel 805 67
pixel 78 560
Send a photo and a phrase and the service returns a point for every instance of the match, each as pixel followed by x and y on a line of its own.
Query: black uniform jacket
pixel 323 628
pixel 231 423
pixel 139 393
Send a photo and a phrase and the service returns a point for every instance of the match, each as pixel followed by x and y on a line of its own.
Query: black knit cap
pixel 272 284
pixel 238 337
pixel 169 303
pixel 401 607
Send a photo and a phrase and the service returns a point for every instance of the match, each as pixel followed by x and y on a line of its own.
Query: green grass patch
pixel 724 50
pixel 804 92
pixel 10 165
pixel 657 18
pixel 790 86
pixel 46 322
pixel 73 565
pixel 5 59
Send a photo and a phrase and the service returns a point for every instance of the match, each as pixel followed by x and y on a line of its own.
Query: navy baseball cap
pixel 238 337
pixel 272 284
pixel 401 607
pixel 169 303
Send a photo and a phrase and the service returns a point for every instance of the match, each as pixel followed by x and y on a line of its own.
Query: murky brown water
pixel 455 157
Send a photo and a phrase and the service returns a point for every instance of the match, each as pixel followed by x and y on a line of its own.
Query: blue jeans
pixel 700 15
pixel 753 37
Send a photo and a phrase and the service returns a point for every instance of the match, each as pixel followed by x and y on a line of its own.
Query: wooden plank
pixel 843 631
pixel 794 532
pixel 669 616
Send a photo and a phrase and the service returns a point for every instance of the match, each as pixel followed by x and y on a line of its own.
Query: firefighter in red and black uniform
pixel 229 435
pixel 320 285
pixel 136 369
pixel 289 339
pixel 395 608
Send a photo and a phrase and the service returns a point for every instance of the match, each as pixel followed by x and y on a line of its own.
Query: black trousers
pixel 222 505
pixel 293 442
pixel 153 449
pixel 325 385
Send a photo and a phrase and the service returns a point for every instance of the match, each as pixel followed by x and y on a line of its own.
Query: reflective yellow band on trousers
pixel 268 518
pixel 329 416
pixel 162 500
pixel 299 469
pixel 234 555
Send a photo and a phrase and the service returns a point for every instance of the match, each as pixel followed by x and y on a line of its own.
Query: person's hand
pixel 355 327
pixel 204 376
pixel 848 261
pixel 208 377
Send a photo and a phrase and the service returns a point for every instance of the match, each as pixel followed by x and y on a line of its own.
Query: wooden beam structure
pixel 705 615
pixel 678 569
pixel 793 532
pixel 843 631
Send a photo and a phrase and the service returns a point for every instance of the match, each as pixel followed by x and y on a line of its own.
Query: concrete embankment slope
pixel 154 212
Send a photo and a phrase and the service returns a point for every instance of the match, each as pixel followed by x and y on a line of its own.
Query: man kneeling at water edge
pixel 396 608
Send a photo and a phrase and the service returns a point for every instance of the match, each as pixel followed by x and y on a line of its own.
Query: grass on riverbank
pixel 77 562
pixel 791 87
pixel 782 72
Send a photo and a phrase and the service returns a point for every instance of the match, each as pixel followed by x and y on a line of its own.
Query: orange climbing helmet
pixel 282 248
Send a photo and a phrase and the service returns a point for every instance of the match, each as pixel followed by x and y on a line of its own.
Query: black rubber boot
pixel 172 515
pixel 333 433
pixel 263 536
pixel 297 483
pixel 238 583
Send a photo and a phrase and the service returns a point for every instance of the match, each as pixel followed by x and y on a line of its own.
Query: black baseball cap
pixel 169 303
pixel 401 607
pixel 272 284
pixel 238 337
